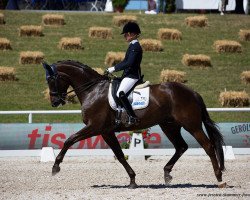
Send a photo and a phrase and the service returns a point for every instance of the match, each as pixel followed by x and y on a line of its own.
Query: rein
pixel 82 88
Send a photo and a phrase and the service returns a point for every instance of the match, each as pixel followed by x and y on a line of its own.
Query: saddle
pixel 138 96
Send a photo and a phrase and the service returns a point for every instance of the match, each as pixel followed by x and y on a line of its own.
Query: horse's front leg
pixel 112 141
pixel 80 135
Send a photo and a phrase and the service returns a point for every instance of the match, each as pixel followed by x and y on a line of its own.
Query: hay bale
pixel 245 77
pixel 70 43
pixel 5 44
pixel 100 32
pixel 234 99
pixel 169 34
pixel 196 21
pixel 53 20
pixel 7 74
pixel 113 58
pixel 2 18
pixel 99 70
pixel 244 35
pixel 31 31
pixel 71 98
pixel 31 57
pixel 151 45
pixel 172 76
pixel 228 46
pixel 122 20
pixel 196 60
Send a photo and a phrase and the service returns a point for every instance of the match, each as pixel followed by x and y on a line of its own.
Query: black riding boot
pixel 125 102
pixel 118 116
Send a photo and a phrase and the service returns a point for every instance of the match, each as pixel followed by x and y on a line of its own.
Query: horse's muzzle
pixel 56 102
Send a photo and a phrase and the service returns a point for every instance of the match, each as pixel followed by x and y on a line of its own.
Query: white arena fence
pixel 30 113
pixel 135 152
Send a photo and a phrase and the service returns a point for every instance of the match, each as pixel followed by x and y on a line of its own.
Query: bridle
pixel 62 95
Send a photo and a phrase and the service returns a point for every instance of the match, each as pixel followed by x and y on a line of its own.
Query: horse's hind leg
pixel 172 131
pixel 206 144
pixel 113 143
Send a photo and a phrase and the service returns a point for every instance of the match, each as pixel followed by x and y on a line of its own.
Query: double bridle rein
pixel 62 95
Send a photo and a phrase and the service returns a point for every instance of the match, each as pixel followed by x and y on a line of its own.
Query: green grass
pixel 26 94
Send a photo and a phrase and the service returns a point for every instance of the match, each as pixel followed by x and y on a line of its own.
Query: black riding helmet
pixel 131 27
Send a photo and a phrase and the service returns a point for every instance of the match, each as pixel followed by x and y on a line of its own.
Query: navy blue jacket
pixel 132 62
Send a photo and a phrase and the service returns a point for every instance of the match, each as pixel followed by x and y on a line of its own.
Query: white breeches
pixel 126 85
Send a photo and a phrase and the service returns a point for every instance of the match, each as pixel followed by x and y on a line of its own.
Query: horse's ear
pixel 48 68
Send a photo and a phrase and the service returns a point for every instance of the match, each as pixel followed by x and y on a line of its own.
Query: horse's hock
pixel 31 57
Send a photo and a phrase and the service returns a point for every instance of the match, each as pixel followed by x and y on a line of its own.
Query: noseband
pixel 56 93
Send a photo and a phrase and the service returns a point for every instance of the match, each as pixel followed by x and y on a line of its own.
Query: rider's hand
pixel 109 70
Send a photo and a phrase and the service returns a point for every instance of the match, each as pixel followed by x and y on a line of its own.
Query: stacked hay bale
pixel 5 44
pixel 151 45
pixel 172 76
pixel 245 77
pixel 113 58
pixel 99 70
pixel 2 19
pixel 169 34
pixel 31 31
pixel 122 20
pixel 70 43
pixel 100 32
pixel 228 46
pixel 234 99
pixel 196 21
pixel 244 35
pixel 199 60
pixel 7 74
pixel 53 20
pixel 31 57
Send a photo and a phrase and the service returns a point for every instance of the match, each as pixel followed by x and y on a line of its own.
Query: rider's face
pixel 129 36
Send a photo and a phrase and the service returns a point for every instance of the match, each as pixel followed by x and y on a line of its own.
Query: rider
pixel 131 68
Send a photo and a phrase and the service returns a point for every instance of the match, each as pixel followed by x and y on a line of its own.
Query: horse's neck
pixel 82 81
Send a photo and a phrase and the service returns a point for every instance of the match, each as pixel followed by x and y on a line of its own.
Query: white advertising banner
pixel 203 4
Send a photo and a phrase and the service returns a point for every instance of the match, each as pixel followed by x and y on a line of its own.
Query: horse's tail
pixel 213 132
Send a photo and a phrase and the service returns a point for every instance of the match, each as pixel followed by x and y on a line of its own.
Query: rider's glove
pixel 109 70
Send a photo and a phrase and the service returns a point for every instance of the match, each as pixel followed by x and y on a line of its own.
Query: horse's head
pixel 57 85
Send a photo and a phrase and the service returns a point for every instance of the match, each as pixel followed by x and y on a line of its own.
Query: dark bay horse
pixel 171 106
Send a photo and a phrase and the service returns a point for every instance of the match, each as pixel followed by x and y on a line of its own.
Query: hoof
pixel 133 186
pixel 55 170
pixel 168 179
pixel 222 185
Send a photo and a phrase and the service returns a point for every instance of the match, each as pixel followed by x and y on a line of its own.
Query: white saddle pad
pixel 139 98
